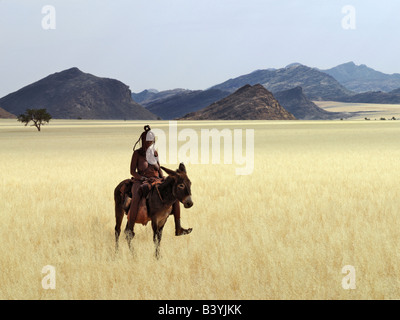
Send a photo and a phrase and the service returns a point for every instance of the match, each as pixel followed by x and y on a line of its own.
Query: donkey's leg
pixel 157 234
pixel 155 238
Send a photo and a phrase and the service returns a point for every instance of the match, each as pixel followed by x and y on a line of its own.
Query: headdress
pixel 150 153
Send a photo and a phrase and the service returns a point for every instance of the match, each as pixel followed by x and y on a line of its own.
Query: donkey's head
pixel 181 189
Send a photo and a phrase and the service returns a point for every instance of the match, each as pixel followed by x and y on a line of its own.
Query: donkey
pixel 157 205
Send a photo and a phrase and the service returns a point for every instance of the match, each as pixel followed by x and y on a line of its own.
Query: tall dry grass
pixel 322 195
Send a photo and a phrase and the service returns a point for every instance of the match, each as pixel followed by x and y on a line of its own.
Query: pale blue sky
pixel 192 44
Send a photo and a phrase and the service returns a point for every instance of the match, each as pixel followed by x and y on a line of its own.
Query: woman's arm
pixel 160 172
pixel 134 163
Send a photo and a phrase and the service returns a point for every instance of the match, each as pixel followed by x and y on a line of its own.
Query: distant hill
pixel 181 103
pixel 294 101
pixel 378 97
pixel 397 91
pixel 6 115
pixel 151 95
pixel 176 103
pixel 362 78
pixel 248 103
pixel 316 85
pixel 144 95
pixel 72 94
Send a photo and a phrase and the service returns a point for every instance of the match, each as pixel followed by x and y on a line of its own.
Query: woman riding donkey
pixel 146 171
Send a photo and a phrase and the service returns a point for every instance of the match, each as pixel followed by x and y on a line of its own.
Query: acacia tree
pixel 38 116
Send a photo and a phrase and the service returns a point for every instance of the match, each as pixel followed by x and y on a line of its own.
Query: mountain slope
pixel 178 105
pixel 396 91
pixel 148 96
pixel 247 103
pixel 294 101
pixel 316 85
pixel 362 78
pixel 6 115
pixel 72 94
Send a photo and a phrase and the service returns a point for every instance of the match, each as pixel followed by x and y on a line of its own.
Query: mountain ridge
pixel 297 103
pixel 361 78
pixel 71 94
pixel 316 85
pixel 250 102
pixel 171 107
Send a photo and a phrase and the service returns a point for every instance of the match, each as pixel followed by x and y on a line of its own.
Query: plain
pixel 323 195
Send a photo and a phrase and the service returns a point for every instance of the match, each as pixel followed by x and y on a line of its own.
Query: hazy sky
pixel 192 44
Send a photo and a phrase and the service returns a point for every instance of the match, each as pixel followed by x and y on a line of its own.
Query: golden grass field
pixel 323 195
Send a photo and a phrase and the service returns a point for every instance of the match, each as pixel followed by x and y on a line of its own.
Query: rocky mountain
pixel 6 115
pixel 151 95
pixel 362 78
pixel 316 85
pixel 144 95
pixel 295 101
pixel 176 106
pixel 248 103
pixel 72 94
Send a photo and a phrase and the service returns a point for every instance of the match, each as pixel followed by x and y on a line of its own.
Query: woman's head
pixel 147 138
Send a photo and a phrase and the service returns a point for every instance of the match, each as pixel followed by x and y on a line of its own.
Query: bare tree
pixel 38 116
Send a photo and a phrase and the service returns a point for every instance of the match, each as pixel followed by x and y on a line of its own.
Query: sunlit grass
pixel 322 195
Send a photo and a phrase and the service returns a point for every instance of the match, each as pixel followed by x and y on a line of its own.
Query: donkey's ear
pixel 182 167
pixel 169 171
